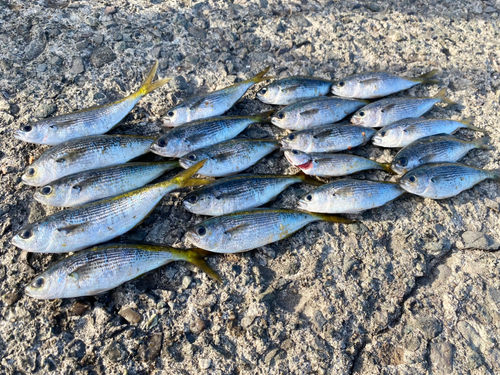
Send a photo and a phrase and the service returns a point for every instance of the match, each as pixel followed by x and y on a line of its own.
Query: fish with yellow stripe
pixel 90 121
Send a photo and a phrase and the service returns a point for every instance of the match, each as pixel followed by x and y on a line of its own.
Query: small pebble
pixel 130 315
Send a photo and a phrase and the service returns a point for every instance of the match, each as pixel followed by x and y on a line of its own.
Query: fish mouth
pixel 167 122
pixel 155 149
pixel 15 241
pixel 377 140
pixel 191 237
pixel 355 120
pixel 19 134
pixel 305 166
pixel 302 205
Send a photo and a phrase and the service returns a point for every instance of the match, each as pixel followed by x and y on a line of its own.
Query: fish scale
pixel 237 193
pixel 349 196
pixel 229 157
pixel 83 154
pixel 203 133
pixel 331 138
pixel 434 149
pixel 246 230
pixel 444 180
pixel 102 268
pixel 80 227
pixel 87 186
pixel 91 121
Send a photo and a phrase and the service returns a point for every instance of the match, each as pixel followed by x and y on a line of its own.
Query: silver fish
pixel 82 154
pixel 203 133
pixel 387 111
pixel 88 186
pixel 444 180
pixel 103 268
pixel 247 230
pixel 91 121
pixel 373 85
pixel 350 196
pixel 293 89
pixel 403 132
pixel 435 149
pixel 332 165
pixel 231 157
pixel 79 227
pixel 240 193
pixel 330 138
pixel 212 104
pixel 315 112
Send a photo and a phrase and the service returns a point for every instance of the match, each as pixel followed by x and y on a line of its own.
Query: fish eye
pixel 412 178
pixel 170 113
pixel 291 137
pixel 201 231
pixel 26 128
pixel 361 114
pixel 26 234
pixel 30 171
pixel 38 282
pixel 263 91
pixel 280 115
pixel 403 162
pixel 162 142
pixel 192 157
pixel 295 152
pixel 192 199
pixel 46 190
pixel 309 197
pixel 341 84
pixel 382 134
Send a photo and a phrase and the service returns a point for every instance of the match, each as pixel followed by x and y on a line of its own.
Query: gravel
pixel 412 288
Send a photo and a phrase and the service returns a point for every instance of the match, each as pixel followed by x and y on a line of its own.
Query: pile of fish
pixel 105 195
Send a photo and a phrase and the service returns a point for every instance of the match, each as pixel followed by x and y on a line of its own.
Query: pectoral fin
pixel 289 89
pixel 309 112
pixel 236 229
pixel 69 229
pixel 388 107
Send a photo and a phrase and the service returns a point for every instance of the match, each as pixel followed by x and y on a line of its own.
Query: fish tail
pixel 198 182
pixel 386 167
pixel 183 178
pixel 264 117
pixel 426 78
pixel 308 179
pixel 441 95
pixel 195 256
pixel 468 121
pixel 483 143
pixel 261 76
pixel 147 85
pixel 334 219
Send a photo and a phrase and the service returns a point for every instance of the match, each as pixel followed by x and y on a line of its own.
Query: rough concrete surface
pixel 413 288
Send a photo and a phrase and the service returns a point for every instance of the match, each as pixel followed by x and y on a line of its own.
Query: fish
pixel 372 85
pixel 247 230
pixel 332 165
pixel 230 157
pixel 435 149
pixel 311 113
pixel 239 193
pixel 91 121
pixel 212 104
pixel 330 138
pixel 88 186
pixel 102 268
pixel 403 132
pixel 82 154
pixel 203 133
pixel 350 196
pixel 386 111
pixel 293 89
pixel 76 228
pixel 444 180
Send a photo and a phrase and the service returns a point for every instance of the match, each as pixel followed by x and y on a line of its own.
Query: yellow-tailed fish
pixel 80 227
pixel 103 268
pixel 211 104
pixel 91 121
